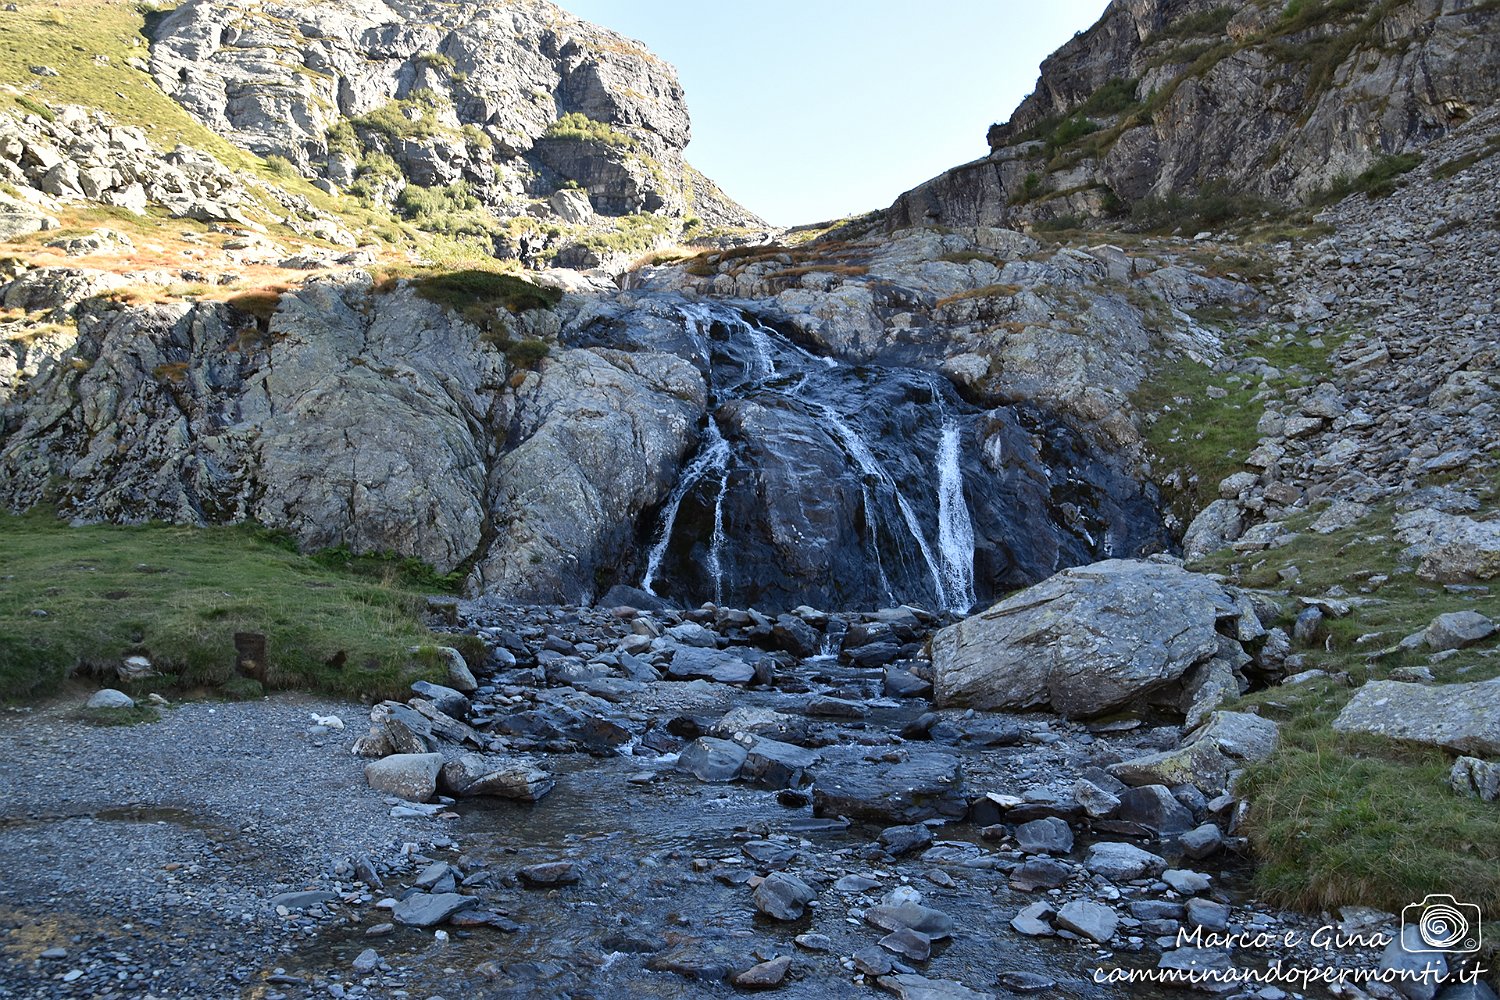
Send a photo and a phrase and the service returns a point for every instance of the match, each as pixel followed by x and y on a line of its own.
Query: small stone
pixel 782 896
pixel 1018 981
pixel 1123 862
pixel 1048 835
pixel 908 943
pixel 1185 882
pixel 766 975
pixel 814 942
pixel 1201 841
pixel 899 840
pixel 109 698
pixel 1206 913
pixel 550 873
pixel 366 962
pixel 1034 921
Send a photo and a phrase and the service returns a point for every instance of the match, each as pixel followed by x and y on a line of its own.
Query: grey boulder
pixel 411 776
pixel 1086 641
pixel 1464 718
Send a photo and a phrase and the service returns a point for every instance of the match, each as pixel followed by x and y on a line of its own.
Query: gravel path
pixel 150 853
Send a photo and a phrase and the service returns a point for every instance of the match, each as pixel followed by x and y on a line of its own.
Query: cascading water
pixel 837 485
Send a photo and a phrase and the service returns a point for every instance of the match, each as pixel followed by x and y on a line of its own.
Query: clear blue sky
pixel 805 110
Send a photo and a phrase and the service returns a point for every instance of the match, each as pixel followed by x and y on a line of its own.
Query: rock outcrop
pixel 352 417
pixel 1464 718
pixel 516 100
pixel 1170 99
pixel 1090 640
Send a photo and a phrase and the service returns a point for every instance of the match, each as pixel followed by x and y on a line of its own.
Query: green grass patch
pixel 133 716
pixel 1199 437
pixel 1378 181
pixel 1349 819
pixel 478 291
pixel 178 595
pixel 579 127
pixel 1198 23
pixel 1458 164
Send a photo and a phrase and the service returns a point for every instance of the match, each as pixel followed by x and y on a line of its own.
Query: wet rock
pixel 924 785
pixel 1040 873
pixel 109 698
pixel 550 873
pixel 422 909
pixel 1202 841
pixel 713 760
pixel 1195 960
pixel 1049 835
pixel 1155 808
pixel 782 896
pixel 836 708
pixel 303 900
pixel 695 960
pixel 1464 718
pixel 366 962
pixel 766 975
pixel 889 916
pixel 814 942
pixel 1094 921
pixel 1096 801
pixel 693 634
pixel 908 943
pixel 856 883
pixel 1122 862
pixel 773 764
pixel 505 777
pixel 901 683
pixel 411 776
pixel 909 986
pixel 1086 641
pixel 871 961
pixel 899 840
pixel 796 636
pixel 1019 981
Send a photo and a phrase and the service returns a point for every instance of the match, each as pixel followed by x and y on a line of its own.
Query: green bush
pixel 525 353
pixel 434 60
pixel 1199 23
pixel 1377 181
pixel 1115 96
pixel 1069 131
pixel 580 127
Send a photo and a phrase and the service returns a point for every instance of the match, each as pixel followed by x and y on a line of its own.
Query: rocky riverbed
pixel 628 803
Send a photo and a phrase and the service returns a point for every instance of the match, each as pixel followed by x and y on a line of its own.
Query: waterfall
pixel 955 530
pixel 712 456
pixel 870 466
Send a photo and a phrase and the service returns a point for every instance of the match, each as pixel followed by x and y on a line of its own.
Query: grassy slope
pixel 1336 819
pixel 178 595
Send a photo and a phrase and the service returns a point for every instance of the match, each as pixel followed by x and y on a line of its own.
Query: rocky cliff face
pixel 1263 100
pixel 518 101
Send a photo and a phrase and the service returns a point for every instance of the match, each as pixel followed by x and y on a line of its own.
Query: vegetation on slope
pixel 84 598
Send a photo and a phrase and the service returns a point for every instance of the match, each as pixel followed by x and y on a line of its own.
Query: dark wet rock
pixel 1044 836
pixel 901 683
pixel 1185 881
pixel 366 962
pixel 1094 921
pixel 836 708
pixel 856 883
pixel 977 732
pixel 814 942
pixel 899 840
pixel 624 596
pixel 796 636
pixel 888 916
pixel 1096 801
pixel 1201 841
pixel 1155 808
pixel 692 663
pixel 714 760
pixel 550 873
pixel 430 909
pixel 766 975
pixel 991 808
pixel 1040 873
pixel 504 777
pixel 1019 981
pixel 1195 960
pixel 696 960
pixel 923 785
pixel 909 986
pixel 774 764
pixel 876 654
pixel 1122 862
pixel 783 897
pixel 769 853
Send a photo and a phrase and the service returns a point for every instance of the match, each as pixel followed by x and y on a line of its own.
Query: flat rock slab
pixel 412 776
pixel 926 784
pixel 1464 718
pixel 710 759
pixel 1086 641
pixel 695 663
pixel 428 910
pixel 914 987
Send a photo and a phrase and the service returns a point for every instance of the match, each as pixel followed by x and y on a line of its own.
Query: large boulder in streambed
pixel 1088 640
